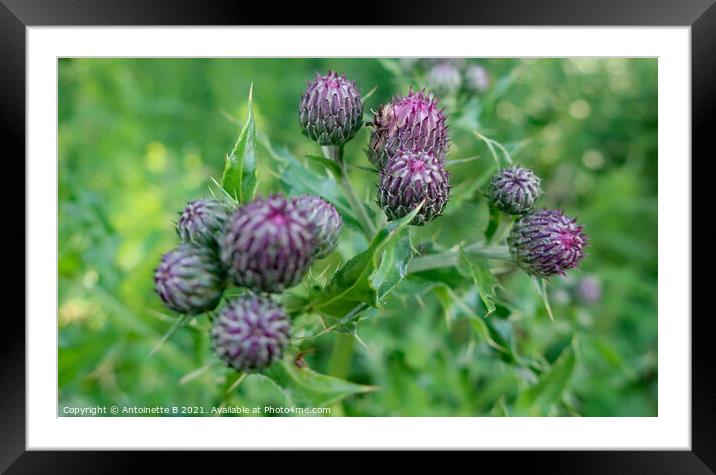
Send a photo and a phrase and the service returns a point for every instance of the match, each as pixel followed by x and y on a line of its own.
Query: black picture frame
pixel 17 15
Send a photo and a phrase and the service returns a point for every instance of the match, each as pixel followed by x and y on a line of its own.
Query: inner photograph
pixel 357 237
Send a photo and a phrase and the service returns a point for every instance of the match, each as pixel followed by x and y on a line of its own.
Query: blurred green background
pixel 140 137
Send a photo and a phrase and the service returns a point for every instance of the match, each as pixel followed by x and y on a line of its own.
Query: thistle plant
pixel 547 242
pixel 412 178
pixel 190 279
pixel 250 332
pixel 268 245
pixel 413 122
pixel 202 221
pixel 268 249
pixel 331 110
pixel 514 190
pixel 326 221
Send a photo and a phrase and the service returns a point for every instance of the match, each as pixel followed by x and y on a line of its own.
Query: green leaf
pixel 486 329
pixel 445 297
pixel 303 387
pixel 240 178
pixel 485 282
pixel 326 163
pixel 393 266
pixel 537 399
pixel 353 282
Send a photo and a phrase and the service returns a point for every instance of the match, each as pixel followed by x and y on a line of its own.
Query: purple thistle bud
pixel 409 178
pixel 412 122
pixel 250 333
pixel 514 190
pixel 190 279
pixel 202 221
pixel 546 242
pixel 326 220
pixel 589 290
pixel 444 78
pixel 476 78
pixel 331 110
pixel 268 245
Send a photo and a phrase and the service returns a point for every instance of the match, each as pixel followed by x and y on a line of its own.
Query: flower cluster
pixel 264 246
pixel 542 243
pixel 409 145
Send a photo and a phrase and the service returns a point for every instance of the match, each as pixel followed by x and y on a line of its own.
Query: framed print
pixel 471 230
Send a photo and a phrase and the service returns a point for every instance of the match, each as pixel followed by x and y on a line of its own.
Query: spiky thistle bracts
pixel 409 178
pixel 413 122
pixel 250 332
pixel 331 110
pixel 546 242
pixel 268 245
pixel 514 190
pixel 202 221
pixel 190 279
pixel 326 220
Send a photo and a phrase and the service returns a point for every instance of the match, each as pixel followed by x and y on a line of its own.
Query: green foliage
pixel 356 281
pixel 240 177
pixel 306 388
pixel 442 327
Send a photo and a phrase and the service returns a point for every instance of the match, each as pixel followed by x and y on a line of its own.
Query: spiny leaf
pixel 484 281
pixel 353 282
pixel 393 266
pixel 303 387
pixel 240 178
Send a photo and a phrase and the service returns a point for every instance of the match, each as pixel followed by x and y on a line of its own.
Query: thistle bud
pixel 268 245
pixel 331 110
pixel 546 242
pixel 325 219
pixel 250 333
pixel 409 178
pixel 202 221
pixel 412 122
pixel 444 78
pixel 190 279
pixel 476 78
pixel 589 290
pixel 514 190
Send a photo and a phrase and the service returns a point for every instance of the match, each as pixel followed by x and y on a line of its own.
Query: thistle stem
pixel 335 153
pixel 342 351
pixel 451 258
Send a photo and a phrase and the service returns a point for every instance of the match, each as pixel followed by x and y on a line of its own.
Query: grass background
pixel 139 138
